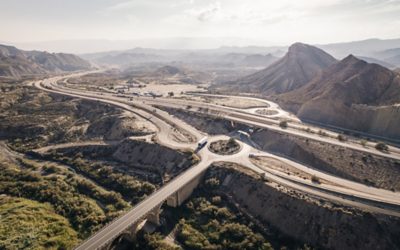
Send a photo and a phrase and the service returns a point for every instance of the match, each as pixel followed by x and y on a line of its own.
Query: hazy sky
pixel 278 21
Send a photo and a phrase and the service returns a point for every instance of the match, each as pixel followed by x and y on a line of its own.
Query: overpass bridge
pixel 180 188
pixel 173 193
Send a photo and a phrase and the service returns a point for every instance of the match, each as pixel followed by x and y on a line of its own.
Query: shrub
pixel 381 146
pixel 212 182
pixel 231 141
pixel 283 124
pixel 315 179
pixel 341 137
pixel 363 143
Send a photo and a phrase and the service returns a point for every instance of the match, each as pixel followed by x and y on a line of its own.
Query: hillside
pixel 15 63
pixel 369 47
pixel 28 224
pixel 300 64
pixel 368 93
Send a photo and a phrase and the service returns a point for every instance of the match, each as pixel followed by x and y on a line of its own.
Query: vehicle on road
pixel 202 143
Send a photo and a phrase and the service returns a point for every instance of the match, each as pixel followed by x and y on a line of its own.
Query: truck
pixel 202 142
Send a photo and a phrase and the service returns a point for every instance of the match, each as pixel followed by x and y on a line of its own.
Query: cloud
pixel 208 13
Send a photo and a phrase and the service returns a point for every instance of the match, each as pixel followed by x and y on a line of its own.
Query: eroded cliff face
pixel 155 156
pixel 314 221
pixel 376 120
pixel 350 94
pixel 347 163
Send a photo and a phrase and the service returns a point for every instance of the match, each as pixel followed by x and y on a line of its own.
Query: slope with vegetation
pixel 15 63
pixel 27 224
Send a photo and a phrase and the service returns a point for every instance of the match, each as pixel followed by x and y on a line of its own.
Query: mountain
pixel 300 64
pixel 367 48
pixel 395 60
pixel 257 60
pixel 391 56
pixel 377 61
pixel 168 70
pixel 17 63
pixel 351 94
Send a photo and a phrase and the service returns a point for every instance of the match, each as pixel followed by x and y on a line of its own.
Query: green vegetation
pixel 315 179
pixel 225 147
pixel 26 224
pixel 232 142
pixel 32 118
pixel 207 221
pixel 381 146
pixel 130 187
pixel 283 124
pixel 341 137
pixel 363 143
pixel 146 241
pixel 210 224
pixel 86 206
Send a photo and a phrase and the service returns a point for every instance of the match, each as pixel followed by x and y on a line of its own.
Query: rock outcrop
pixel 300 64
pixel 351 94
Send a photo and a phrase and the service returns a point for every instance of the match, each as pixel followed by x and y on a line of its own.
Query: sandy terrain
pixel 229 101
pixel 163 89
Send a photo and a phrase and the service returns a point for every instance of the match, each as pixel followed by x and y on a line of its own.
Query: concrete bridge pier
pixel 179 197
pixel 153 215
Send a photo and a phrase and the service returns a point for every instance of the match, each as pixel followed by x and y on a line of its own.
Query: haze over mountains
pixel 318 88
pixel 383 52
pixel 15 63
pixel 219 57
pixel 307 80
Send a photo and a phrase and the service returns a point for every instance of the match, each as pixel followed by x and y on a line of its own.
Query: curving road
pixel 343 191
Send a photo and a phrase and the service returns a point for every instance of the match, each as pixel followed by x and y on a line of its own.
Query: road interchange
pixel 344 191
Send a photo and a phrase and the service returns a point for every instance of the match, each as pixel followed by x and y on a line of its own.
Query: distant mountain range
pixel 15 63
pixel 218 57
pixel 383 52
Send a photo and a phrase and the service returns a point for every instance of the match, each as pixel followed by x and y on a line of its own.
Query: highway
pixel 343 191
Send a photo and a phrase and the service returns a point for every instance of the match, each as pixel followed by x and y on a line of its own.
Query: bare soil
pixel 346 163
pixel 319 223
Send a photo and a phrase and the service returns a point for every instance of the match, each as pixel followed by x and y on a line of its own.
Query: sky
pixel 257 22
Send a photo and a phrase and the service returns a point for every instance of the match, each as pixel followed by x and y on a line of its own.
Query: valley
pixel 229 151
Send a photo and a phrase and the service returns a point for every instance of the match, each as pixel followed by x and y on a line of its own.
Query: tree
pixel 231 142
pixel 381 146
pixel 363 143
pixel 171 94
pixel 341 137
pixel 283 124
pixel 315 179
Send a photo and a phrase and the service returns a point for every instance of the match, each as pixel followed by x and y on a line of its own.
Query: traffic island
pixel 224 147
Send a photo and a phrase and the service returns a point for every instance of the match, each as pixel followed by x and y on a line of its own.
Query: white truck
pixel 202 142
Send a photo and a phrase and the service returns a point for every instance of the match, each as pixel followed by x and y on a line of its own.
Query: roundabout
pixel 224 147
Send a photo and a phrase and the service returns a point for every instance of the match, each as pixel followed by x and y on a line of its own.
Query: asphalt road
pixel 344 191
